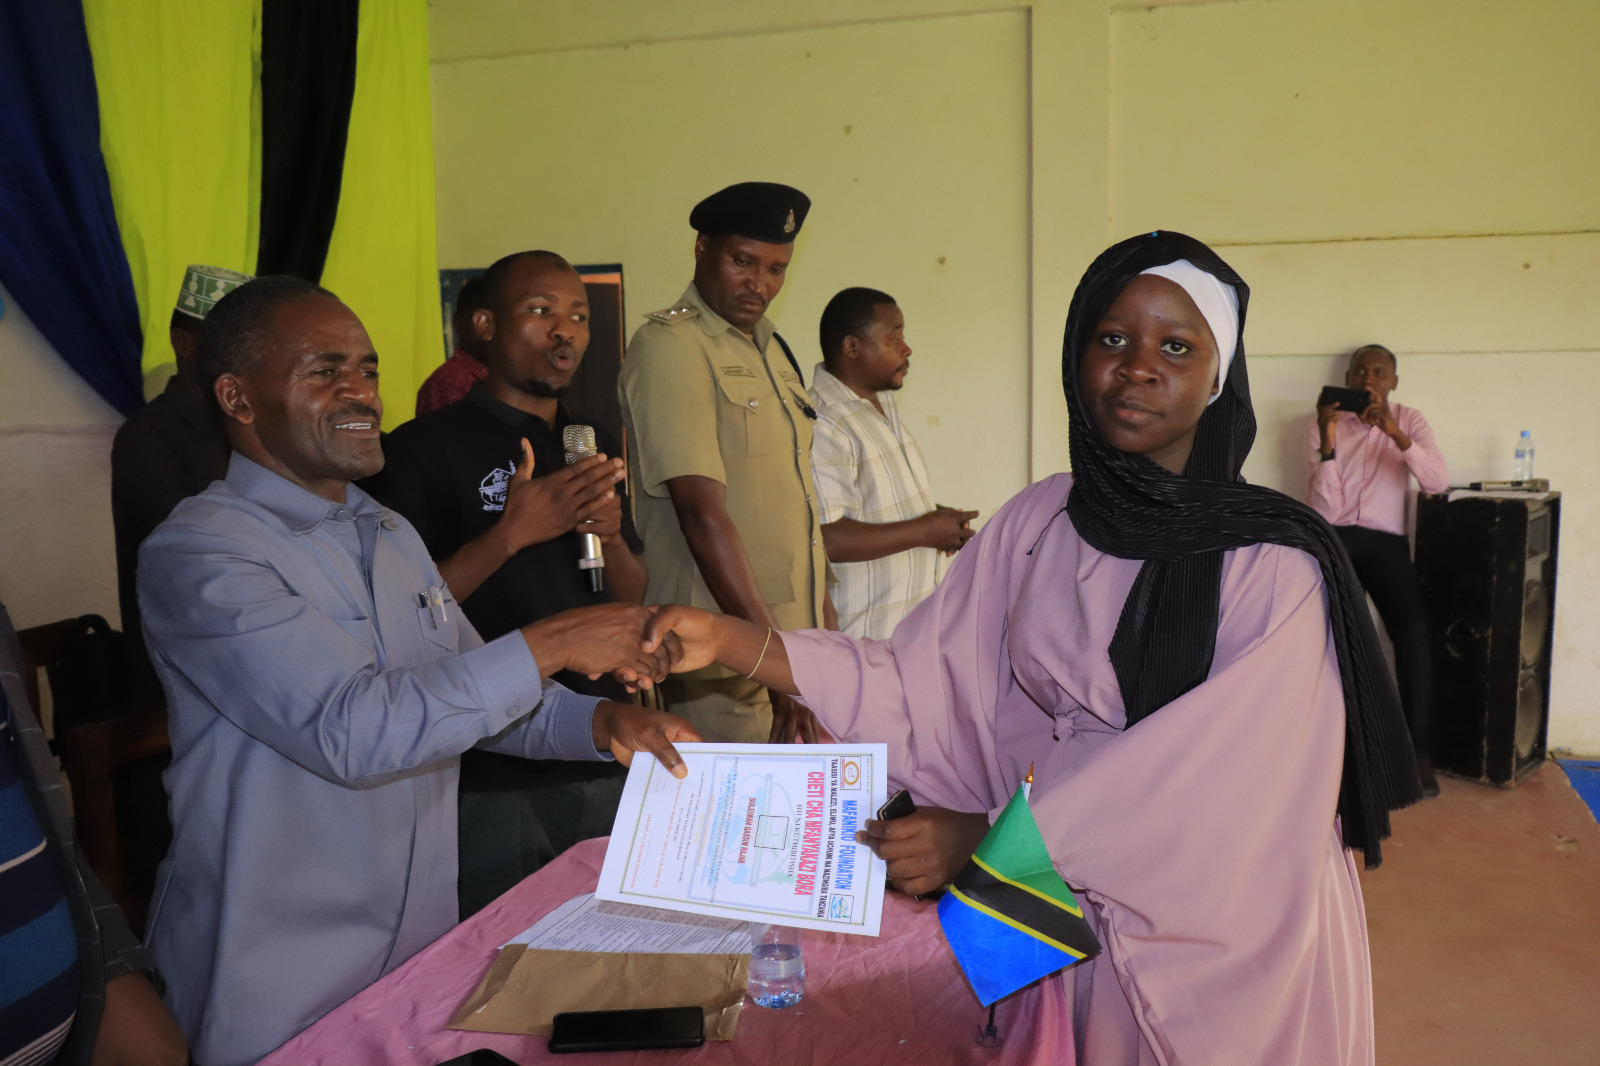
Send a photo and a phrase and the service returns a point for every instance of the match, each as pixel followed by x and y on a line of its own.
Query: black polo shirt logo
pixel 492 489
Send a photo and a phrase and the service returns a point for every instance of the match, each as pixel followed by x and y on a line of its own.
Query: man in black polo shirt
pixel 486 483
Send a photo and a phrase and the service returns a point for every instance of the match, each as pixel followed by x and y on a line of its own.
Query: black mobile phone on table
pixel 627 1030
pixel 897 806
pixel 482 1057
pixel 1356 400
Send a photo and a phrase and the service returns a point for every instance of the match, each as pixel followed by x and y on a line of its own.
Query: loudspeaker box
pixel 1488 571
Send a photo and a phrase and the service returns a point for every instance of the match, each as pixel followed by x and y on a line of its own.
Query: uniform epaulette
pixel 681 313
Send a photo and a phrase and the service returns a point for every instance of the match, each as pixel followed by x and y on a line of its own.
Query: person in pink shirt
pixel 1188 663
pixel 454 378
pixel 1360 469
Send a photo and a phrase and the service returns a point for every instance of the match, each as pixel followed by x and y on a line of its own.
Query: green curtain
pixel 382 260
pixel 178 85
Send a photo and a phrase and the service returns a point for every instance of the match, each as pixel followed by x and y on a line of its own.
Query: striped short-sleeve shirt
pixel 868 467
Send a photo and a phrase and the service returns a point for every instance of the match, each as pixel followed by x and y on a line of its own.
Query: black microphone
pixel 578 441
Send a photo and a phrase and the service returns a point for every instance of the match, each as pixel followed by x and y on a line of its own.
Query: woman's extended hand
pixel 925 850
pixel 692 638
pixel 695 630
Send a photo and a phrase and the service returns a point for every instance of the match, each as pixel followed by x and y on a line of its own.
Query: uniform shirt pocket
pixel 746 421
pixel 775 575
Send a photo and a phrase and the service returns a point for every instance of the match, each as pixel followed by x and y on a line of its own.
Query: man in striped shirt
pixel 882 530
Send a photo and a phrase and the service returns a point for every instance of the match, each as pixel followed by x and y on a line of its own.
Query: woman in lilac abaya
pixel 1180 657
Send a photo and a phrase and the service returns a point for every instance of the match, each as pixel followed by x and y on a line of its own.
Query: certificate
pixel 584 923
pixel 762 833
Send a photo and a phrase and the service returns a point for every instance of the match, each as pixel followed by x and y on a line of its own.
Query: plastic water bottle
pixel 777 967
pixel 1522 461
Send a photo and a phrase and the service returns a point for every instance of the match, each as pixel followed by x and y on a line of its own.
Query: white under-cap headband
pixel 1217 302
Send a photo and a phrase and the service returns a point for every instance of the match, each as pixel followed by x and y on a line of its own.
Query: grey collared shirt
pixel 317 712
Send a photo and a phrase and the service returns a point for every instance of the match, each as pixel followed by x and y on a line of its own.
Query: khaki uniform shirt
pixel 699 397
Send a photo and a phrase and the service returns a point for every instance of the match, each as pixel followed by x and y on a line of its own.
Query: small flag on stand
pixel 1008 916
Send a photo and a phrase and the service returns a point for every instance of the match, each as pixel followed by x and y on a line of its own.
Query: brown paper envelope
pixel 524 990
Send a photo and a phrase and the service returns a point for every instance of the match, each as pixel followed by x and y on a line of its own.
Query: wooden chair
pixel 93 757
pixel 42 646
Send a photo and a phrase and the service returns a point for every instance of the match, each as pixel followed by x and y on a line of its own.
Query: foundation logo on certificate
pixel 761 833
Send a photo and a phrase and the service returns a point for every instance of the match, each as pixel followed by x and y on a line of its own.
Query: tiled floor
pixel 1485 928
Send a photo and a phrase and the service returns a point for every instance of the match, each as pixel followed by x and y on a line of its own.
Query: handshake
pixel 640 646
pixel 607 639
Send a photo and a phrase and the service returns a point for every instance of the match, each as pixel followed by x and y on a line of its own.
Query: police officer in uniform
pixel 719 424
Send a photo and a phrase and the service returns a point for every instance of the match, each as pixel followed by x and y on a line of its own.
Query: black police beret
pixel 760 210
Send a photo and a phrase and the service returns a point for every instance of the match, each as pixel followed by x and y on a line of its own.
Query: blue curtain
pixel 61 257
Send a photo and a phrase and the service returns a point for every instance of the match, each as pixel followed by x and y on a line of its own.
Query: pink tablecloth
pixel 898 998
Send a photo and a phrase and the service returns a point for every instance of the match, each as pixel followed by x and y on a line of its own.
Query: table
pixel 897 998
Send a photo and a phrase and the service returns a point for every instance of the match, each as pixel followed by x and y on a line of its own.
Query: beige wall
pixel 57 558
pixel 37 387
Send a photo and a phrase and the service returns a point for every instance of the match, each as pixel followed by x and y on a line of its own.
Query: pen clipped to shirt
pixel 433 600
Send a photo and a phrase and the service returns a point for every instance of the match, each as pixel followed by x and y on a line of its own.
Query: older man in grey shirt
pixel 322 684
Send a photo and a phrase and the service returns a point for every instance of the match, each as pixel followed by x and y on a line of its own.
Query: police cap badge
pixel 760 210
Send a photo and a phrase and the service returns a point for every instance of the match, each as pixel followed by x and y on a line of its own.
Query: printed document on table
pixel 584 923
pixel 762 833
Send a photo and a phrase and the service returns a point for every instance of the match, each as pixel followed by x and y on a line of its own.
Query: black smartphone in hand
pixel 1353 400
pixel 897 806
pixel 627 1030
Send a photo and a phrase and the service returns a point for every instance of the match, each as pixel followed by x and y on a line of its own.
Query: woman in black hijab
pixel 1187 663
pixel 1126 506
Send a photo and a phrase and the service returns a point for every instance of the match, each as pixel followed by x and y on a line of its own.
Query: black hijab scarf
pixel 1129 507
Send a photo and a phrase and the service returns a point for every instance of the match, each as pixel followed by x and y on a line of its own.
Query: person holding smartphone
pixel 1361 463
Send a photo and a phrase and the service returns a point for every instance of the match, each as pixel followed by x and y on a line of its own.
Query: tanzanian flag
pixel 1008 915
